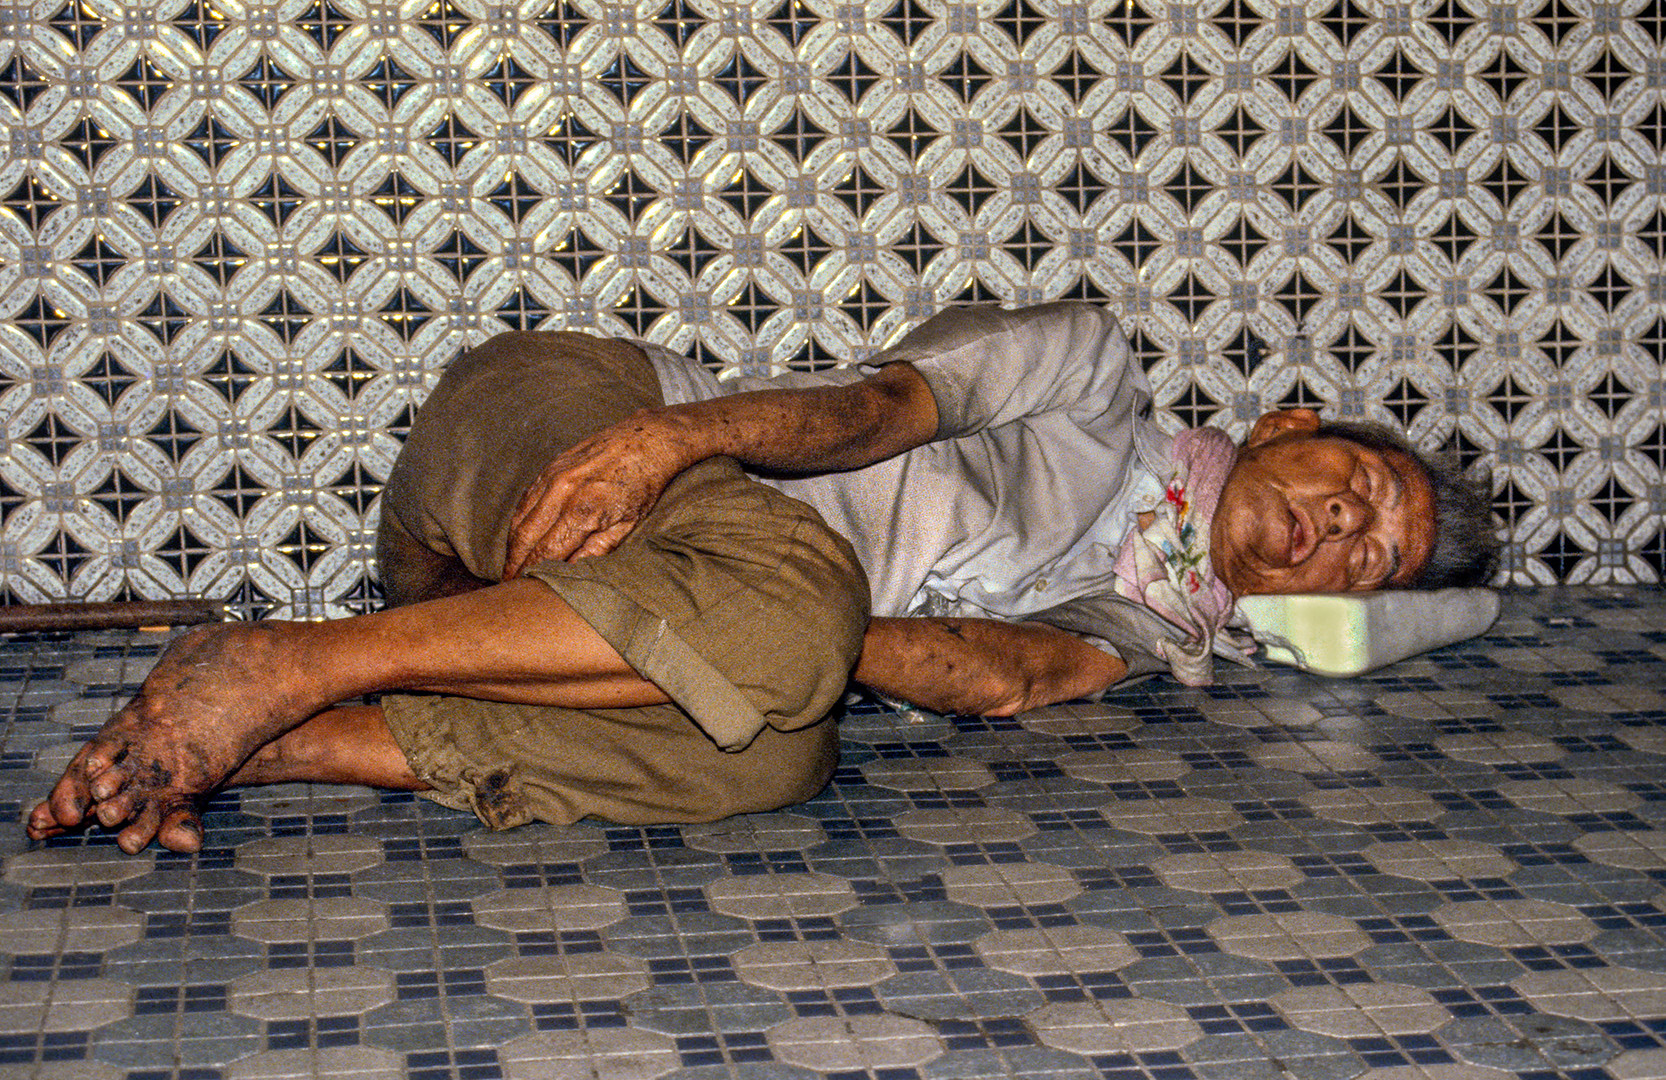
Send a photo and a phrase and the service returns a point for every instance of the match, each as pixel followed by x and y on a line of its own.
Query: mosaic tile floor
pixel 1453 869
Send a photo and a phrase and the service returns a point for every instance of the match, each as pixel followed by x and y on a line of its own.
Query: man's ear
pixel 1280 422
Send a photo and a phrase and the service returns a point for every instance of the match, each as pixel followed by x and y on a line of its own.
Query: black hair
pixel 1466 536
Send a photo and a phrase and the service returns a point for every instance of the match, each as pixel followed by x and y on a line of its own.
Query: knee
pixel 760 586
pixel 410 571
pixel 517 353
pixel 814 631
pixel 790 767
pixel 507 348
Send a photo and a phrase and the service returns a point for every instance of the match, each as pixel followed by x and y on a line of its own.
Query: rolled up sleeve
pixel 989 366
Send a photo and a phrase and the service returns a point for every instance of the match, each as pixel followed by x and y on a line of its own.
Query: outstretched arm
pixel 589 498
pixel 981 666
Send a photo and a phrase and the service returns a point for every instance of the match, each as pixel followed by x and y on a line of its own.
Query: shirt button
pixel 1041 585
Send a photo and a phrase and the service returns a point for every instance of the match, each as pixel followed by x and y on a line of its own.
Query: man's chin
pixel 1253 575
pixel 1243 581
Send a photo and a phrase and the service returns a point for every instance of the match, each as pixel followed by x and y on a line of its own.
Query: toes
pixel 142 829
pixel 68 802
pixel 176 825
pixel 112 812
pixel 108 784
pixel 102 756
pixel 105 750
pixel 181 830
pixel 40 818
pixel 74 793
pixel 43 823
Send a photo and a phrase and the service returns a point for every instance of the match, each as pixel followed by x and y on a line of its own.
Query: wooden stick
pixel 110 615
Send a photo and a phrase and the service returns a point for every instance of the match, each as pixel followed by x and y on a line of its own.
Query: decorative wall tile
pixel 239 239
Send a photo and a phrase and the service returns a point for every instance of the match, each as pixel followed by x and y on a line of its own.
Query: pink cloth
pixel 1165 566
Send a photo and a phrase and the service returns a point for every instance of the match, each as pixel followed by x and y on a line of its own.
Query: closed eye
pixel 1384 563
pixel 1374 566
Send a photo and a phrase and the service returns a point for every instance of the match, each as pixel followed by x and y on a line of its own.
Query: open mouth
pixel 1302 539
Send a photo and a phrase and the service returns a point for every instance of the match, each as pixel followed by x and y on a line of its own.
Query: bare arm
pixel 981 666
pixel 812 430
pixel 589 498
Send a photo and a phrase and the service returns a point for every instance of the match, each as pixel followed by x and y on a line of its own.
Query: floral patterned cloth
pixel 1165 566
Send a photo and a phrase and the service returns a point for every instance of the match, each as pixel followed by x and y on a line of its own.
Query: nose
pixel 1344 515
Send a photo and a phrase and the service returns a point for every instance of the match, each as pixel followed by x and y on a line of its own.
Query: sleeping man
pixel 620 588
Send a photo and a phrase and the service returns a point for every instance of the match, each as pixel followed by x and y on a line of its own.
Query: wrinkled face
pixel 1301 513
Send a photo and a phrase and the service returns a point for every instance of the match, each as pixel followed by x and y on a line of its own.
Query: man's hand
pixel 588 500
pixel 591 497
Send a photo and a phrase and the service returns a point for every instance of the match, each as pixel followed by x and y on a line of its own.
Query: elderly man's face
pixel 1301 513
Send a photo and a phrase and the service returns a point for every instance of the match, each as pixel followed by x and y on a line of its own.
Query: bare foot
pixel 217 695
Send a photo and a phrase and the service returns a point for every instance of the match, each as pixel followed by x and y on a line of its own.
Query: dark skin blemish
pixel 158 775
pixel 495 799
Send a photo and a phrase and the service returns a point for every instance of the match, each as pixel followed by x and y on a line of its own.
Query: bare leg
pixel 221 693
pixel 348 745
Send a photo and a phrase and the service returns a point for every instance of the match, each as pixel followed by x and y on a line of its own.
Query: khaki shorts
pixel 734 599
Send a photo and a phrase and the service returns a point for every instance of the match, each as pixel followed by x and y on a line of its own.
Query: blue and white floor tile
pixel 1454 869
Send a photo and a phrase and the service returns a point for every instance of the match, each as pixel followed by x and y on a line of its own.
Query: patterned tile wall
pixel 239 238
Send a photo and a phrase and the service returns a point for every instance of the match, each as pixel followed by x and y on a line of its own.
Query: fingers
pixel 525 528
pixel 564 525
pixel 521 540
pixel 586 501
pixel 531 532
pixel 600 543
pixel 542 506
pixel 529 498
pixel 559 542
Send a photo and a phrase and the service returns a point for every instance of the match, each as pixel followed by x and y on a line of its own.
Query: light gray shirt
pixel 1045 453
